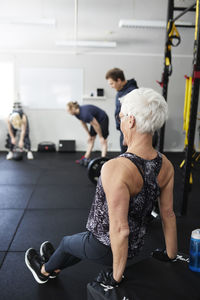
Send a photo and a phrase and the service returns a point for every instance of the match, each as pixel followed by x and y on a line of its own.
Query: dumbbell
pixel 94 168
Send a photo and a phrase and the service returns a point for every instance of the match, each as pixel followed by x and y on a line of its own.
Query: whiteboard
pixel 50 88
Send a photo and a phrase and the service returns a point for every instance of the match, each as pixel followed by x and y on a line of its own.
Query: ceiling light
pixel 126 23
pixel 94 44
pixel 141 23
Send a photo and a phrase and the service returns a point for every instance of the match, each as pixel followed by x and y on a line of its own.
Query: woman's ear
pixel 131 121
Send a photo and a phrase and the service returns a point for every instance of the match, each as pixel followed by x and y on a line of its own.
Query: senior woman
pixel 125 195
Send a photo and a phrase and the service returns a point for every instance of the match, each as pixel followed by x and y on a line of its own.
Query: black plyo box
pixel 67 146
pixel 46 147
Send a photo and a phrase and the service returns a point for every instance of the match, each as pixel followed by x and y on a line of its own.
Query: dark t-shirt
pixel 88 112
pixel 127 88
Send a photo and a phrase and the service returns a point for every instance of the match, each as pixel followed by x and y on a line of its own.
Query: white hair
pixel 148 107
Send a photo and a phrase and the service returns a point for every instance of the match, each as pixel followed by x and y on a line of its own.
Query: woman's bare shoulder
pixel 166 172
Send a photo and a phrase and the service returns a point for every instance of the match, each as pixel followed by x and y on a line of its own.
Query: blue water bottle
pixel 194 264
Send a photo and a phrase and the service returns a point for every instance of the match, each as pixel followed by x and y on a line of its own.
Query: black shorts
pixel 104 128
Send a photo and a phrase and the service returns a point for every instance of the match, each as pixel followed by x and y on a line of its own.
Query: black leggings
pixel 27 142
pixel 74 248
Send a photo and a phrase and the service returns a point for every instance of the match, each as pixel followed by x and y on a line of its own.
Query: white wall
pixel 52 125
pixel 139 52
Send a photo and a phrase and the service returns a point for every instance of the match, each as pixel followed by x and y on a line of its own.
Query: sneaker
pixel 80 161
pixel 30 155
pixel 83 161
pixel 34 263
pixel 86 162
pixel 46 251
pixel 9 155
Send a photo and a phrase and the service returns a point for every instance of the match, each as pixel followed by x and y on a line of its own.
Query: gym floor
pixel 49 197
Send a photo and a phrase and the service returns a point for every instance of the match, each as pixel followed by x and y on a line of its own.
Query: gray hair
pixel 148 107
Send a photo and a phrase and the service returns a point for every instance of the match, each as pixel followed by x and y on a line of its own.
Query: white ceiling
pixel 97 20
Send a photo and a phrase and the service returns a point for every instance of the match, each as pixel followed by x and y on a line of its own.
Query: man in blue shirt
pixel 116 80
pixel 99 122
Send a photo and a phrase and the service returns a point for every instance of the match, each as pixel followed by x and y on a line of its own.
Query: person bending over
pixel 116 79
pixel 99 123
pixel 18 134
pixel 127 189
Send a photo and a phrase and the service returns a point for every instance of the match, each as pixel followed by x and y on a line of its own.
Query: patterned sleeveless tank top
pixel 140 206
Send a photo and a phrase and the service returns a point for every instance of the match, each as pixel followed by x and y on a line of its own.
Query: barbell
pixel 95 165
pixel 94 168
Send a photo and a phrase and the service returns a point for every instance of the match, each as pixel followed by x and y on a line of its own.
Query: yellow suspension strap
pixel 193 157
pixel 174 40
pixel 196 20
pixel 185 102
pixel 192 165
pixel 186 115
pixel 196 74
pixel 187 108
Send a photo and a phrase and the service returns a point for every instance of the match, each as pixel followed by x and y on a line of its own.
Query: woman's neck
pixel 142 146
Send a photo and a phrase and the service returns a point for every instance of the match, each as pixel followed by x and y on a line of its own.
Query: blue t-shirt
pixel 88 112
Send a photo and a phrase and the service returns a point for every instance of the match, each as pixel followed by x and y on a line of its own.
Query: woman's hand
pixel 21 144
pixel 106 278
pixel 13 140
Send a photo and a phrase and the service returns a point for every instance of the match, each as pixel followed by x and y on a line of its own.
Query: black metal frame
pixel 192 123
pixel 166 75
pixel 184 12
pixel 170 17
pixel 194 100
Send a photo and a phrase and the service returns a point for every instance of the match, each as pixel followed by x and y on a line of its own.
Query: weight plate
pixel 94 168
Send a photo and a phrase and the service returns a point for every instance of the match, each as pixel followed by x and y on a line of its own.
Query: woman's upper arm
pixel 117 193
pixel 166 196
